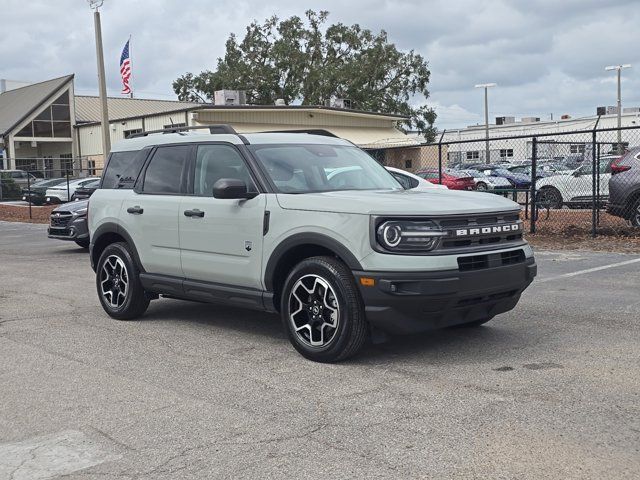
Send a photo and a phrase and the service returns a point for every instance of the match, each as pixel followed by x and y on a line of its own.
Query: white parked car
pixel 413 182
pixel 574 189
pixel 485 182
pixel 60 193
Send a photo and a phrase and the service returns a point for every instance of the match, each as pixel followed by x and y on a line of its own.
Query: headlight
pixel 81 213
pixel 408 235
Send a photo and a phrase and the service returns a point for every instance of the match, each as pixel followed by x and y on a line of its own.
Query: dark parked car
pixel 69 222
pixel 36 193
pixel 86 190
pixel 518 180
pixel 624 187
pixel 452 179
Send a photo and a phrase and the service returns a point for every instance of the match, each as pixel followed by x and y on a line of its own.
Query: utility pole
pixel 619 68
pixel 102 86
pixel 486 87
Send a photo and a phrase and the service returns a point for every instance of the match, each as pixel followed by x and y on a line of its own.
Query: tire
pixel 549 197
pixel 634 213
pixel 83 242
pixel 322 310
pixel 115 265
pixel 73 198
pixel 481 187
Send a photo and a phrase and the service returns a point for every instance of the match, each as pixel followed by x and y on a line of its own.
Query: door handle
pixel 194 213
pixel 137 210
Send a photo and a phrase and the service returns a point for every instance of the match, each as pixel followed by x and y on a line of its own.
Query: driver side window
pixel 215 162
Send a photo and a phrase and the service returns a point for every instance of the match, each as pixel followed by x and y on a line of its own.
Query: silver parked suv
pixel 305 225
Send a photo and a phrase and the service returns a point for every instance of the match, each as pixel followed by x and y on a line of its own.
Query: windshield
pixel 322 168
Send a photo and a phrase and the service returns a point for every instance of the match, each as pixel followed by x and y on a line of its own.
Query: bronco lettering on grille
pixel 463 232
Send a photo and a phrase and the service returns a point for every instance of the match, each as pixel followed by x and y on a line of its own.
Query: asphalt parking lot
pixel 549 390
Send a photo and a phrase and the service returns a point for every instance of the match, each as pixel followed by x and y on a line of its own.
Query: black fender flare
pixel 108 228
pixel 308 238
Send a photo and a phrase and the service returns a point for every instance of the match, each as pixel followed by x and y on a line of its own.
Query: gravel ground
pixel 20 213
pixel 194 391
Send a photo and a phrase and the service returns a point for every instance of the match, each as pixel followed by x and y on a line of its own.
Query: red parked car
pixel 450 178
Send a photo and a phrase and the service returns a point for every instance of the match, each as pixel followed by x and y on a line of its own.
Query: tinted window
pixel 165 171
pixel 123 169
pixel 214 162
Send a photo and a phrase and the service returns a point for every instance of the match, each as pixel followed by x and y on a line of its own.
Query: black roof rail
pixel 214 129
pixel 310 131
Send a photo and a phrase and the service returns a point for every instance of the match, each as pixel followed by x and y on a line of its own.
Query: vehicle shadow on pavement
pixel 447 346
pixel 224 317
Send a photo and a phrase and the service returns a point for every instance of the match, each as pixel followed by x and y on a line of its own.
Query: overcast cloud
pixel 547 56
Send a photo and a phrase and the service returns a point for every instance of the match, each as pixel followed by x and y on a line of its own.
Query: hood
pixel 72 206
pixel 398 202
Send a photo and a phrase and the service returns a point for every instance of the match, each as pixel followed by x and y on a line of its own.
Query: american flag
pixel 125 69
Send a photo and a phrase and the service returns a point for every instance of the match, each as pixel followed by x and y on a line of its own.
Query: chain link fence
pixel 49 186
pixel 567 183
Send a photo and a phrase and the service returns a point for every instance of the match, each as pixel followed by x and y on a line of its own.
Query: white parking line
pixel 589 270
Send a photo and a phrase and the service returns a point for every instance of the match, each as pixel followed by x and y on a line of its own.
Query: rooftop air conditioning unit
pixel 631 110
pixel 338 103
pixel 565 117
pixel 505 120
pixel 530 119
pixel 229 97
pixel 280 102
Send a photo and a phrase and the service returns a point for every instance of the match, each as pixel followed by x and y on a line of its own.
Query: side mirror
pixel 232 188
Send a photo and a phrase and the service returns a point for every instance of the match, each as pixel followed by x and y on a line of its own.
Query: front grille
pixel 491 260
pixel 489 239
pixel 60 219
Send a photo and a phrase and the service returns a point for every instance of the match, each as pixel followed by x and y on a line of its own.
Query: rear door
pixel 149 213
pixel 222 241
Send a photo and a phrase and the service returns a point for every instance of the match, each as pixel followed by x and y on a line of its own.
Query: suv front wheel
pixel 322 310
pixel 119 288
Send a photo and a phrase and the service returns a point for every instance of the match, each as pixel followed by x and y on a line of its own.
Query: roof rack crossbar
pixel 214 129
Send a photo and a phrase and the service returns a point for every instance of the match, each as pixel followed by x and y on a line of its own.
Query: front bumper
pixel 409 302
pixel 76 229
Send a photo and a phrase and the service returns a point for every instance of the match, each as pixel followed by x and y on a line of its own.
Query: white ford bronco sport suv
pixel 309 226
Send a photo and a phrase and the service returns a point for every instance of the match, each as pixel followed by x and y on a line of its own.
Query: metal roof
pixel 18 104
pixel 88 107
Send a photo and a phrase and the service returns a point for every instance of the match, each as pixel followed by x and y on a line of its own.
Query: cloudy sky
pixel 547 56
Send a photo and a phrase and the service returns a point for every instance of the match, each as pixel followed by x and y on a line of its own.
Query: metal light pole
pixel 486 87
pixel 619 68
pixel 102 86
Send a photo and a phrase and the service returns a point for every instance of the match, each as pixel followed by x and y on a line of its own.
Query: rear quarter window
pixel 123 169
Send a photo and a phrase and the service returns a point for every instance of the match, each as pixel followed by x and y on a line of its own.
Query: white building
pixel 548 147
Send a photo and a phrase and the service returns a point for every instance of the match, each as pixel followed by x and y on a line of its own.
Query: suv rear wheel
pixel 119 288
pixel 322 310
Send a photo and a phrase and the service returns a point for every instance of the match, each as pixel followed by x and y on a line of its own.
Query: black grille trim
pixel 491 260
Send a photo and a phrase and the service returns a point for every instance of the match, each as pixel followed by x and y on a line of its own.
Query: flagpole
pixel 130 66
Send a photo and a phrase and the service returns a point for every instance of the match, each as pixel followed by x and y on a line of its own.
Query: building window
pixel 66 163
pixel 53 121
pixel 474 155
pixel 577 148
pixel 506 153
pixel 133 131
pixel 91 167
pixel 407 164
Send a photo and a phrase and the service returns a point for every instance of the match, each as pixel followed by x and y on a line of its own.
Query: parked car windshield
pixel 295 168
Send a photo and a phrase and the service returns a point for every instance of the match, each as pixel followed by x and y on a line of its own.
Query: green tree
pixel 301 61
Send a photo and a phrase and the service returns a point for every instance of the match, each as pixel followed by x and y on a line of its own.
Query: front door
pixel 221 239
